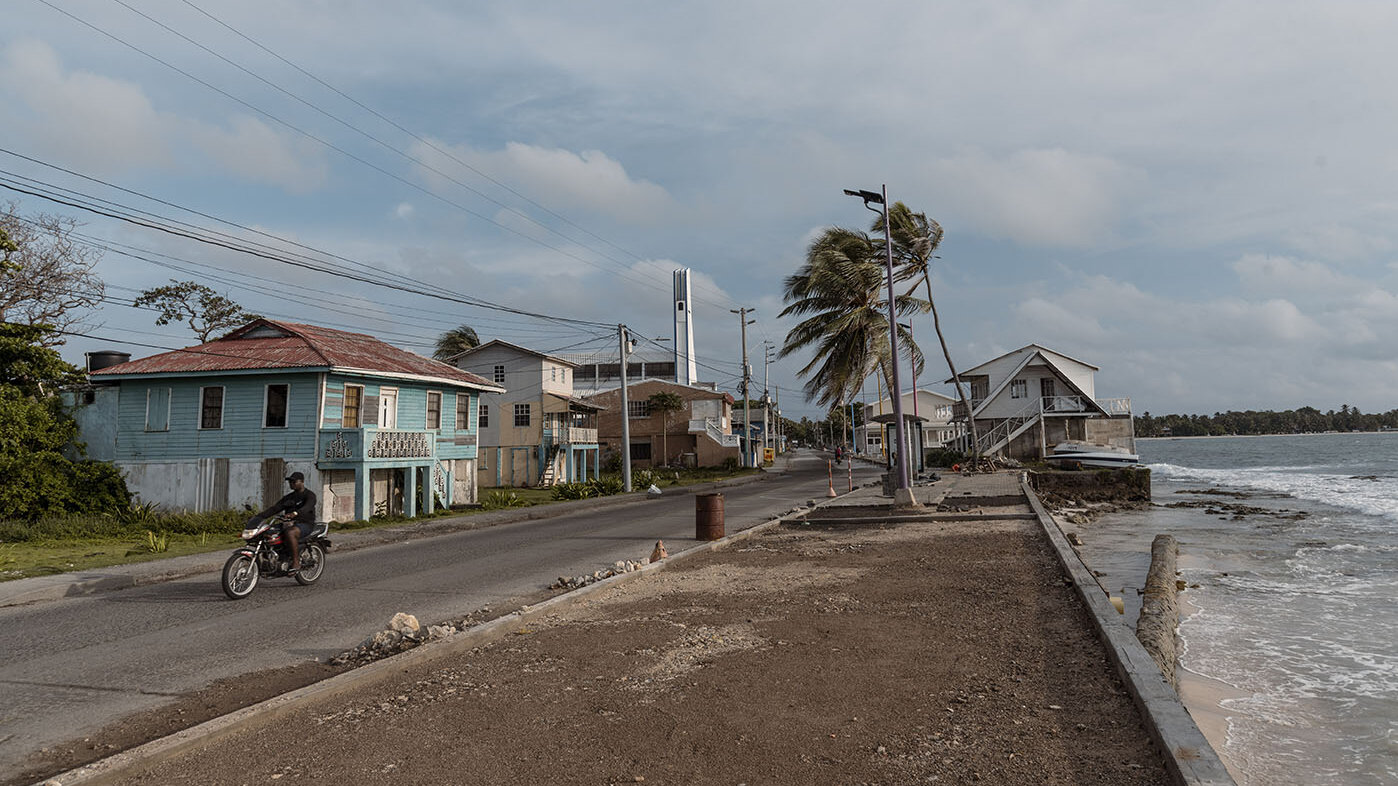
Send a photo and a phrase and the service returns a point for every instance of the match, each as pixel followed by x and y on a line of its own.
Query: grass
pixel 75 543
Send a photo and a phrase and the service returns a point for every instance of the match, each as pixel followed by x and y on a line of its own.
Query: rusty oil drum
pixel 708 516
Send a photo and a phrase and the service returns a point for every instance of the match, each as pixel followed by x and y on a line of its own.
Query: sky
pixel 1198 198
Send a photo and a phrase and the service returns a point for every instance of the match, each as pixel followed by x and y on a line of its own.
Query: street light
pixel 903 495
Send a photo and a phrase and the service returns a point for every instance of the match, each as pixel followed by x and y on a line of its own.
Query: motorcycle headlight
pixel 252 532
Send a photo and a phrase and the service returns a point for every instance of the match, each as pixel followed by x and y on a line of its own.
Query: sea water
pixel 1289 548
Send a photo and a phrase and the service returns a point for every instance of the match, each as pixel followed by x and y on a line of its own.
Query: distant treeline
pixel 1306 420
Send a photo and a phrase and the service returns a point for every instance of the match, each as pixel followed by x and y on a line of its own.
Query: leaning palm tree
pixel 839 292
pixel 915 240
pixel 455 341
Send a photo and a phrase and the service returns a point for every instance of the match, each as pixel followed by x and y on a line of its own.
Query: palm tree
pixel 838 291
pixel 915 241
pixel 455 341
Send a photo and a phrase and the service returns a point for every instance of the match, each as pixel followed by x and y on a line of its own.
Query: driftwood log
pixel 1160 608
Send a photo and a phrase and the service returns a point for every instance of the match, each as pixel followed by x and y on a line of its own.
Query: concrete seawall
pixel 1160 608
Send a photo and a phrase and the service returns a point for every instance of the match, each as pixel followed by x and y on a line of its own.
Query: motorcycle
pixel 268 553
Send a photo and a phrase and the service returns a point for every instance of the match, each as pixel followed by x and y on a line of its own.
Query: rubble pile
pixel 576 582
pixel 403 633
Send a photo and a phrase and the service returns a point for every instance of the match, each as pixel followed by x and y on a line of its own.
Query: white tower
pixel 686 367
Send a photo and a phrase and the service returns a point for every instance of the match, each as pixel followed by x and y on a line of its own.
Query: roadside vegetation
pixel 67 543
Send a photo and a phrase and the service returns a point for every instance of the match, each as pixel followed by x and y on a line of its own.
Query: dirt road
pixel 932 652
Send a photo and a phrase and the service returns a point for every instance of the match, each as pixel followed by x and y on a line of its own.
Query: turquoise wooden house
pixel 375 429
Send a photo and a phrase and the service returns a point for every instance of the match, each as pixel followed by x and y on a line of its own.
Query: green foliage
pixel 204 310
pixel 643 478
pixel 731 464
pixel 605 487
pixel 943 457
pixel 1306 420
pixel 125 525
pixel 46 276
pixel 157 544
pixel 37 435
pixel 565 491
pixel 455 341
pixel 497 500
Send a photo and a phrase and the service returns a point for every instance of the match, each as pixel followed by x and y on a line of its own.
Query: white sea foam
pixel 1376 497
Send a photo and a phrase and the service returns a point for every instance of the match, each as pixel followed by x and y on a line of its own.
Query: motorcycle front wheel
pixel 239 576
pixel 312 564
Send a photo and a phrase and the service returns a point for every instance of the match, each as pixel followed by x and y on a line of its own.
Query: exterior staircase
pixel 549 476
pixel 1006 430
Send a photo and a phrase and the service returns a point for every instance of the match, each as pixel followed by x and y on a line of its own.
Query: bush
pixel 571 491
pixel 496 500
pixel 644 479
pixel 605 487
pixel 944 457
pixel 732 464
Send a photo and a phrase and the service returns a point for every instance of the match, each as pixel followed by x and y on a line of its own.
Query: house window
pixel 1019 388
pixel 211 408
pixel 553 373
pixel 463 411
pixel 434 410
pixel 483 416
pixel 274 411
pixel 640 451
pixel 499 375
pixel 638 409
pixel 157 409
pixel 354 403
pixel 521 415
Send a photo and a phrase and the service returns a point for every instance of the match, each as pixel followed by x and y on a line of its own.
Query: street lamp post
pixel 903 495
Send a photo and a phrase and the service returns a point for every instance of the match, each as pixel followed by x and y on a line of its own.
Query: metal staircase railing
pixel 549 474
pixel 1009 428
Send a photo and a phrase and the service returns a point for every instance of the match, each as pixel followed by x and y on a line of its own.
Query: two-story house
pixel 534 432
pixel 1026 401
pixel 699 434
pixel 374 429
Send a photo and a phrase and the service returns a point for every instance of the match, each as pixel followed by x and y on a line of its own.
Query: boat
pixel 1086 454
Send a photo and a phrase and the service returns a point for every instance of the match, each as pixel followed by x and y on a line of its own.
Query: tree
pixel 665 402
pixel 455 341
pixel 37 436
pixel 46 277
pixel 205 311
pixel 838 291
pixel 915 239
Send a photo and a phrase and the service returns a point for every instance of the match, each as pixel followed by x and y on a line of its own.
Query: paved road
pixel 70 667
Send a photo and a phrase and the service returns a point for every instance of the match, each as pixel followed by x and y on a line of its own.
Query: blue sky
pixel 1196 197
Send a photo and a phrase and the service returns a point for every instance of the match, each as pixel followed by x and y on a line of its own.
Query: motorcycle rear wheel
pixel 240 576
pixel 312 564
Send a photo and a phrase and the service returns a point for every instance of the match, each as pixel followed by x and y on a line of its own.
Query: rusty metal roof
pixel 270 344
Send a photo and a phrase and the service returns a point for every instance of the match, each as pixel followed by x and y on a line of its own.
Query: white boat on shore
pixel 1086 454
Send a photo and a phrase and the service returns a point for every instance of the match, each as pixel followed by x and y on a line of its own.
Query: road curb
pixel 113 768
pixel 1189 757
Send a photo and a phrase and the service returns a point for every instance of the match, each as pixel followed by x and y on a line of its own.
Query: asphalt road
pixel 72 666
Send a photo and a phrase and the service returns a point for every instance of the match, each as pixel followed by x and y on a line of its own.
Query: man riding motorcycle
pixel 301 503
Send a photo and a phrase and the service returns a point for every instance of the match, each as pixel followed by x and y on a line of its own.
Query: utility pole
pixel 743 323
pixel 623 341
pixel 767 420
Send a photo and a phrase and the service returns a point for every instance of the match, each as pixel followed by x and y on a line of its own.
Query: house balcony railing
pixel 573 435
pixel 370 443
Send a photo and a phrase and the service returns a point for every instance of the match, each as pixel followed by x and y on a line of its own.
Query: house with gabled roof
pixel 1026 401
pixel 700 434
pixel 374 429
pixel 533 432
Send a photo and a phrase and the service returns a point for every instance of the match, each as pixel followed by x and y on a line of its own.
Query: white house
pixel 1026 401
pixel 934 410
pixel 535 431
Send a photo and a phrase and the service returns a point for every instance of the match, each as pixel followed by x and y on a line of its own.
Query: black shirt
pixel 302 503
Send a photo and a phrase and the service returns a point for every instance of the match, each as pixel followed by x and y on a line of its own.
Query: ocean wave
pixel 1370 495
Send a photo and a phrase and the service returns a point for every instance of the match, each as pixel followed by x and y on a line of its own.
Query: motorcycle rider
pixel 301 502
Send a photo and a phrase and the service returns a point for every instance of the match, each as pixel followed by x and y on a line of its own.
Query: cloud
pixel 1050 197
pixel 98 124
pixel 88 121
pixel 258 153
pixel 562 180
